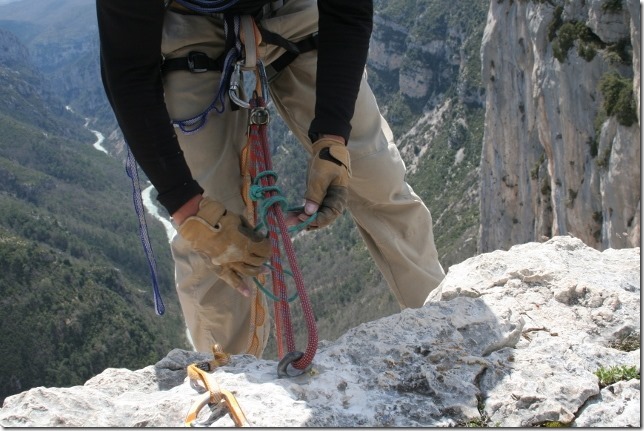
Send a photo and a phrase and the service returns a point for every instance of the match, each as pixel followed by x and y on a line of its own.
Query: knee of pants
pixel 379 178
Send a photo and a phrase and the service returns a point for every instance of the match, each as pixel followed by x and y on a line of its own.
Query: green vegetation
pixel 442 183
pixel 65 320
pixel 608 376
pixel 564 41
pixel 75 287
pixel 534 172
pixel 572 195
pixel 603 160
pixel 619 100
pixel 554 424
pixel 481 422
pixel 556 23
pixel 428 23
pixel 563 35
pixel 613 6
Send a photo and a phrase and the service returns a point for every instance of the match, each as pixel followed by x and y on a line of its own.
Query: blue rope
pixel 132 171
pixel 192 125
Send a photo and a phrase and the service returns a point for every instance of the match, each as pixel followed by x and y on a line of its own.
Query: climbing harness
pixel 263 199
pixel 214 394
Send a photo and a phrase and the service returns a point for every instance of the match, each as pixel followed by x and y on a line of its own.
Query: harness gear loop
pixel 214 393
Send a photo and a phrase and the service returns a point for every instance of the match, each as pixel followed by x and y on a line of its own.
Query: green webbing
pixel 261 287
pixel 256 193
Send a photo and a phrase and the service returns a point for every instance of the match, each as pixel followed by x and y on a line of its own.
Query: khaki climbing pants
pixel 392 219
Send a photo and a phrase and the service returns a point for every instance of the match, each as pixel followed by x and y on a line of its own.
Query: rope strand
pixel 271 215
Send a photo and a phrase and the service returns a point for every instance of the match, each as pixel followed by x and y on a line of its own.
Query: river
pixel 146 194
pixel 153 210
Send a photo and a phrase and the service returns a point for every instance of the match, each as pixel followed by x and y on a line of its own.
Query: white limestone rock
pixel 510 338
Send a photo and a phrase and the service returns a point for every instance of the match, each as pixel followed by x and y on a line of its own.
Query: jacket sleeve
pixel 130 41
pixel 344 33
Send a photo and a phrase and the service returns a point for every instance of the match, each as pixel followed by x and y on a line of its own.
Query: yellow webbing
pixel 214 393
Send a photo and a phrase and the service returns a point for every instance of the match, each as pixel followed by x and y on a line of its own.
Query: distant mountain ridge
pixel 62 41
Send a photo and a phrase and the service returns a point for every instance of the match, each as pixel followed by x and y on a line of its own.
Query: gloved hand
pixel 327 182
pixel 228 241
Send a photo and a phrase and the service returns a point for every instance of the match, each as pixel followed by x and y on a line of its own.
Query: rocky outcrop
pixel 509 339
pixel 561 151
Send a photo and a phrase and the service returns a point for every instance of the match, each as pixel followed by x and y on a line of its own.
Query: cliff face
pixel 561 151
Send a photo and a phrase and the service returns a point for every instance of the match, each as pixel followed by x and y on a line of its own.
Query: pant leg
pixel 394 222
pixel 214 312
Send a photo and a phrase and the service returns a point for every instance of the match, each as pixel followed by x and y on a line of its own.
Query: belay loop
pixel 269 213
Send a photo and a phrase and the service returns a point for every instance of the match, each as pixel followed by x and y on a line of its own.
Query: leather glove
pixel 228 241
pixel 327 182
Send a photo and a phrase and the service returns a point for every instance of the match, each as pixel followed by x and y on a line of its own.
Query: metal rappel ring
pixel 259 116
pixel 289 358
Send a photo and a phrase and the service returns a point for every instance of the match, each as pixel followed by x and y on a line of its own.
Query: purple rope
pixel 132 171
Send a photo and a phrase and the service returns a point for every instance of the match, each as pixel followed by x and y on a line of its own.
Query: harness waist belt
pixel 199 62
pixel 195 62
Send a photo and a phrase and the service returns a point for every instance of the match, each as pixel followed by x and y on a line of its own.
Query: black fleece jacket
pixel 130 39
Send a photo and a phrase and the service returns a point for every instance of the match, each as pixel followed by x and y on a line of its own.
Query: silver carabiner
pixel 233 91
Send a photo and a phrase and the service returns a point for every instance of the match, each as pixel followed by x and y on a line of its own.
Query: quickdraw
pixel 214 394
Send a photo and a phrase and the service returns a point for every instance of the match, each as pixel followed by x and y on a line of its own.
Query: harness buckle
pixel 197 62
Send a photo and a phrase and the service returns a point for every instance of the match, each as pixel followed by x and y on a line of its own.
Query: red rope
pixel 260 161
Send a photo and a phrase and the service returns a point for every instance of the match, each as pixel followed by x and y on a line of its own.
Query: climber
pixel 163 63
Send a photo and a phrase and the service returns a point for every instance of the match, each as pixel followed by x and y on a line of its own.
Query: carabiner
pixel 289 358
pixel 233 91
